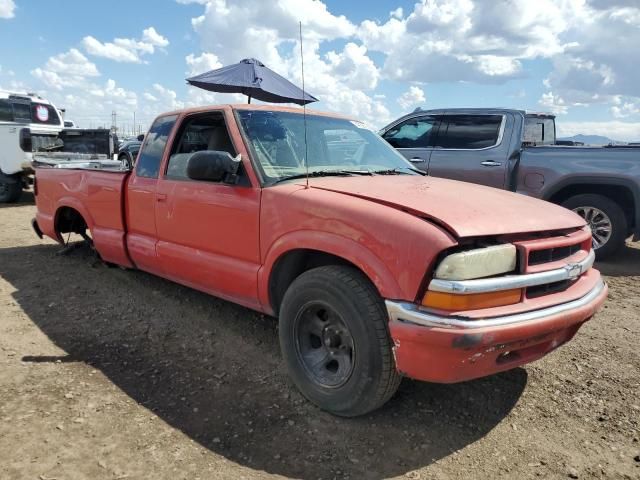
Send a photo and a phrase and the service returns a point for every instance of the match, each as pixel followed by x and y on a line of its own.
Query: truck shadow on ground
pixel 213 370
pixel 625 263
pixel 26 198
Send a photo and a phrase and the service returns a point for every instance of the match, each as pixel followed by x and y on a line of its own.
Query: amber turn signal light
pixel 451 301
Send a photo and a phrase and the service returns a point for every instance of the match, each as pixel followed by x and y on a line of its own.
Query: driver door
pixel 208 231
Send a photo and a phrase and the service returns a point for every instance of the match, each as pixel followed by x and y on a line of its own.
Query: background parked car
pixel 28 123
pixel 517 151
pixel 129 151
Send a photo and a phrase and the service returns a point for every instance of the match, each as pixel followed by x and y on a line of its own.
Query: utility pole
pixel 134 122
pixel 114 119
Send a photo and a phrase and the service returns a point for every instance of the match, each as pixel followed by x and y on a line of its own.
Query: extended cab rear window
pixel 539 130
pixel 148 163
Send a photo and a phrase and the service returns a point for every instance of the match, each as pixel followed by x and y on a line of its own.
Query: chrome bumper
pixel 410 312
pixel 570 271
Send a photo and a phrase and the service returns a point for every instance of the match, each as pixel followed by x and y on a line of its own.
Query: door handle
pixel 490 163
pixel 416 160
pixel 161 197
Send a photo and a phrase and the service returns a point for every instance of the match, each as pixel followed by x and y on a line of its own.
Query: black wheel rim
pixel 324 345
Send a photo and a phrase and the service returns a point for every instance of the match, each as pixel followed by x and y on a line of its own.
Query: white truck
pixel 28 123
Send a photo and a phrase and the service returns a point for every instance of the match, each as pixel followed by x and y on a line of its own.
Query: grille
pixel 547 255
pixel 540 290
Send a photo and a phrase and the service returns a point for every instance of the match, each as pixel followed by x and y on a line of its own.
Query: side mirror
pixel 213 166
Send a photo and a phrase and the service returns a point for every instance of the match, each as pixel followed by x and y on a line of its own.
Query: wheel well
pixel 617 193
pixel 294 263
pixel 69 220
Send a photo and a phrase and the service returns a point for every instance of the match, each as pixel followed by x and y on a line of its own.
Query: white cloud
pixel 66 70
pixel 202 63
pixel 50 79
pixel 69 81
pixel 553 103
pixel 598 63
pixel 623 109
pixel 268 25
pixel 493 65
pixel 587 45
pixel 412 97
pixel 354 67
pixel 72 63
pixel 167 98
pixel 339 78
pixel 397 13
pixel 112 51
pixel 7 9
pixel 481 41
pixel 383 38
pixel 149 35
pixel 487 41
pixel 126 49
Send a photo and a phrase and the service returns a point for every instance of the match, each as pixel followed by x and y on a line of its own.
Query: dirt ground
pixel 114 374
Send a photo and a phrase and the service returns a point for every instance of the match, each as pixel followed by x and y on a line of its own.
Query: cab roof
pixel 257 107
pixel 485 110
pixel 4 94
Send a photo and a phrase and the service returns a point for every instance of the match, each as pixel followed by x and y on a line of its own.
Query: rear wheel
pixel 10 189
pixel 605 217
pixel 335 341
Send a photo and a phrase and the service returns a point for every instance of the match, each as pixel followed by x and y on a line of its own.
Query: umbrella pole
pixel 249 99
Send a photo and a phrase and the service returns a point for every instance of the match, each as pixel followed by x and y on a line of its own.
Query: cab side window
pixel 469 132
pixel 6 111
pixel 417 132
pixel 148 163
pixel 198 132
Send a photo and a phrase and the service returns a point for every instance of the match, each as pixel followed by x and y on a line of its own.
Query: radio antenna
pixel 304 109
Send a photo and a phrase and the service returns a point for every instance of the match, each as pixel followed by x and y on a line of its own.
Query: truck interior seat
pixel 219 140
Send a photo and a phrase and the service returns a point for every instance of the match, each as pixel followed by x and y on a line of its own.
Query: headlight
pixel 478 263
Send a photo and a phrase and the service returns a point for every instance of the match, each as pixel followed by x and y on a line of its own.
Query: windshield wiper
pixel 324 173
pixel 397 171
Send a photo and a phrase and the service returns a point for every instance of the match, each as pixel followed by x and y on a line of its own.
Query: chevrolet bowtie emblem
pixel 574 270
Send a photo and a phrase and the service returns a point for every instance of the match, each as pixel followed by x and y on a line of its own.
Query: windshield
pixel 333 145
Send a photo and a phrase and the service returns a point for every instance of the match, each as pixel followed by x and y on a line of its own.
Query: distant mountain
pixel 591 139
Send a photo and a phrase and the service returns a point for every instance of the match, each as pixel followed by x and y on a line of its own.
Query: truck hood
pixel 465 209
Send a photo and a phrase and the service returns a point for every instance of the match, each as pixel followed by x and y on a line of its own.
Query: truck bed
pixel 559 164
pixel 96 195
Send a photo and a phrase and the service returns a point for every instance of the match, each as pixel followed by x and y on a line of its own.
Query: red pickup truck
pixel 374 270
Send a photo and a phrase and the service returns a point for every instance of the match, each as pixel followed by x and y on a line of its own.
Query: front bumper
pixel 448 349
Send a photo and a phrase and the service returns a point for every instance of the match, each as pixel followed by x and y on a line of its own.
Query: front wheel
pixel 605 217
pixel 125 158
pixel 335 341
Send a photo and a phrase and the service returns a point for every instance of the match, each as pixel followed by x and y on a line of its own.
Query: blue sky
pixel 374 60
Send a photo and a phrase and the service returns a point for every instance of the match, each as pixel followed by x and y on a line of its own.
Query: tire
pixel 361 375
pixel 125 158
pixel 10 189
pixel 588 205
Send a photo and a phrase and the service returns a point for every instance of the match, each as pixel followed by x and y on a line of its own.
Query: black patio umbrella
pixel 250 77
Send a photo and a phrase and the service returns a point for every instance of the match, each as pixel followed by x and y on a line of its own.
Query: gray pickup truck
pixel 517 151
